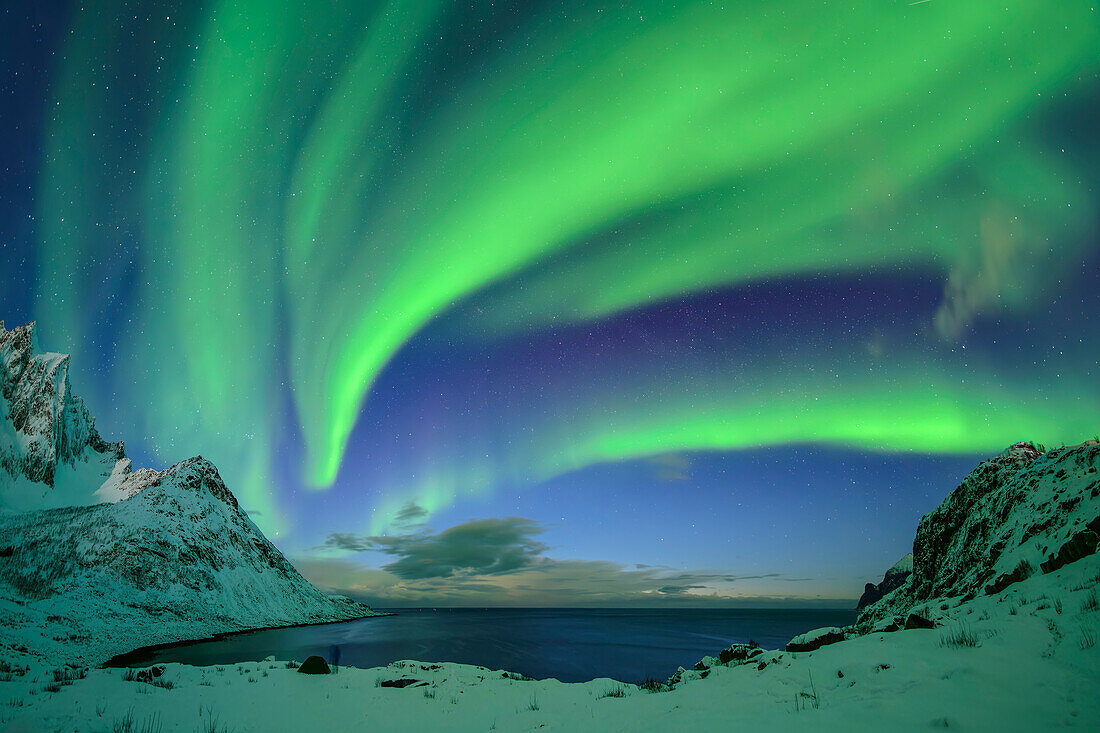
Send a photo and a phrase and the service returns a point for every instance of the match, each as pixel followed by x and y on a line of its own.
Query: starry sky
pixel 564 303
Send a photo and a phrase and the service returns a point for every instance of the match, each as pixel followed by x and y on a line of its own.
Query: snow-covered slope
pixel 1012 517
pixel 136 557
pixel 50 452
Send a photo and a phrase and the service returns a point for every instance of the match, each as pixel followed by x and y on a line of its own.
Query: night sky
pixel 546 303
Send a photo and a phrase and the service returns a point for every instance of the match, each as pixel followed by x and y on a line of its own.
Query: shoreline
pixel 961 675
pixel 141 654
pixel 236 649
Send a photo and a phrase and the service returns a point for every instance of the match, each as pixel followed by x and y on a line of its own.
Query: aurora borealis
pixel 402 264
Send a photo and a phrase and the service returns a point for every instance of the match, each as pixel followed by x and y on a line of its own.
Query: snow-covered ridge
pixel 118 559
pixel 1026 512
pixel 45 426
pixel 894 577
pixel 1010 516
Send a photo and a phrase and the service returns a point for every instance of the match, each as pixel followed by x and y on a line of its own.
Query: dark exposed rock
pixel 916 621
pixel 738 653
pixel 403 682
pixel 889 625
pixel 892 580
pixel 183 529
pixel 1081 545
pixel 815 639
pixel 1023 571
pixel 55 424
pixel 1001 522
pixel 145 675
pixel 953 540
pixel 156 557
pixel 315 665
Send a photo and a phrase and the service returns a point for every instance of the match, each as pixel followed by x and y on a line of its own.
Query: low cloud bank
pixel 500 562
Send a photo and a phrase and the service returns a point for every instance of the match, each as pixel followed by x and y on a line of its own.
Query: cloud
pixel 499 562
pixel 675 590
pixel 347 542
pixel 990 279
pixel 479 547
pixel 411 513
pixel 672 467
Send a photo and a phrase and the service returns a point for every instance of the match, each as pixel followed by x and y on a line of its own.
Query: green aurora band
pixel 844 385
pixel 316 187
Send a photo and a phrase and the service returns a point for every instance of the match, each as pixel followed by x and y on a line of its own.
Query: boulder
pixel 1023 571
pixel 738 653
pixel 888 625
pixel 815 639
pixel 315 665
pixel 916 621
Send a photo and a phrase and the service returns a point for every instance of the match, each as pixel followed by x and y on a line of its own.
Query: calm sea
pixel 572 645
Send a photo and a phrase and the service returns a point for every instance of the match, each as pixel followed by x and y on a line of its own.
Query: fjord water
pixel 572 645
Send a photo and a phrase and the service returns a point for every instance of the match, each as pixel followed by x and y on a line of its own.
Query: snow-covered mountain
pixel 110 559
pixel 1022 513
pixel 50 452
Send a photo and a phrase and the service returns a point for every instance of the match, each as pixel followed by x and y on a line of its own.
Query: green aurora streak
pixel 852 387
pixel 595 161
pixel 643 107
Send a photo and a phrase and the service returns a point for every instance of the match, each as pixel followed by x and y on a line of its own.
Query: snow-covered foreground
pixel 1021 660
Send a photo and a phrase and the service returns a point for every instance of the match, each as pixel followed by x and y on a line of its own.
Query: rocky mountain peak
pixel 45 423
pixel 194 474
pixel 1020 511
pixel 124 557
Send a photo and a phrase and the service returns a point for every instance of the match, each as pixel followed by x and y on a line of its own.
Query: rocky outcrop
pixel 45 424
pixel 892 580
pixel 1017 512
pixel 1081 545
pixel 816 639
pixel 1020 512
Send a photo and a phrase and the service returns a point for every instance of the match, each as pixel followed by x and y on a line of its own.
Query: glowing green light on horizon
pixel 910 399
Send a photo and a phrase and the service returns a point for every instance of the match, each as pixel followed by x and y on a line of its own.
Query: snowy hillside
pixel 142 557
pixel 1018 514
